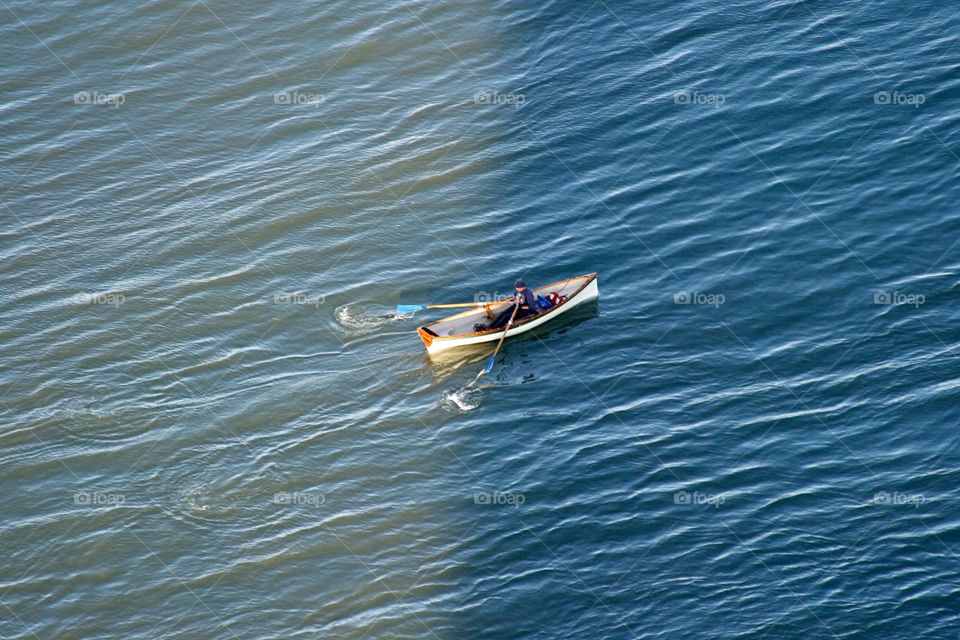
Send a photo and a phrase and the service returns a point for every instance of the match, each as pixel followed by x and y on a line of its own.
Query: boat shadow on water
pixel 445 363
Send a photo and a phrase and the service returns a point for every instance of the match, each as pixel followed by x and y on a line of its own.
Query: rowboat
pixel 458 330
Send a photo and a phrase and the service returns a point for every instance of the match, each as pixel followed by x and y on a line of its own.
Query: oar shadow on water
pixel 468 396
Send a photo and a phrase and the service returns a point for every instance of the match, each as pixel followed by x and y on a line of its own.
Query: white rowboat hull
pixel 456 331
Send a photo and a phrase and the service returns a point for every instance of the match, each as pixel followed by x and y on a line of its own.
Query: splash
pixel 462 400
pixel 359 316
pixel 205 502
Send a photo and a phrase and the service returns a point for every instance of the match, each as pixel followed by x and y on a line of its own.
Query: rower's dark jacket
pixel 528 300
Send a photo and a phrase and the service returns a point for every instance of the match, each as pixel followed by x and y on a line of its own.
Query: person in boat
pixel 526 301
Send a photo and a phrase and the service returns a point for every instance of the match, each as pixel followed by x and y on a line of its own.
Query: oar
pixel 410 308
pixel 489 366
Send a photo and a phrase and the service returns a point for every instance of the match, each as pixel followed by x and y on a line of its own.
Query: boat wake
pixel 360 316
pixel 462 400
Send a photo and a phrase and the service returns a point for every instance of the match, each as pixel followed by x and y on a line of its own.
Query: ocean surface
pixel 213 424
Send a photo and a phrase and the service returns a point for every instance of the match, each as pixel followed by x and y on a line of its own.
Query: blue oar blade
pixel 489 366
pixel 409 308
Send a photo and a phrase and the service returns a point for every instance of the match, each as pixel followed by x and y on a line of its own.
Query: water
pixel 214 426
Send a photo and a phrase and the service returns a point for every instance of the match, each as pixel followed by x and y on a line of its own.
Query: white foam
pixel 463 399
pixel 358 316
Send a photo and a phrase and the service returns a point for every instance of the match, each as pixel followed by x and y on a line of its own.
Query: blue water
pixel 214 425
